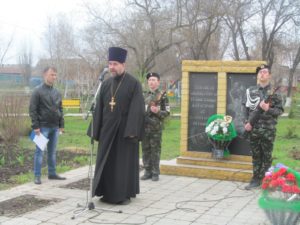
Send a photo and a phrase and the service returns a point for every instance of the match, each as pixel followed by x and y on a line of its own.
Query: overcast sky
pixel 27 19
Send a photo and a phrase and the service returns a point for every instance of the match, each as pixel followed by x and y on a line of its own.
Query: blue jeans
pixel 52 135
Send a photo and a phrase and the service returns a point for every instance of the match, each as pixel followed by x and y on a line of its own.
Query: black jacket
pixel 45 107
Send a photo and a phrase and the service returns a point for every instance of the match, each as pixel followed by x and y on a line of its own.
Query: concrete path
pixel 173 200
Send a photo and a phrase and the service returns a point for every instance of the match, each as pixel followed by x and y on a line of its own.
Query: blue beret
pixel 117 54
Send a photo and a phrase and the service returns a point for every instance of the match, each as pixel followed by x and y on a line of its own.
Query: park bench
pixel 73 103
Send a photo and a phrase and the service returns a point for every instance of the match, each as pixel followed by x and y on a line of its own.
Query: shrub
pixel 13 123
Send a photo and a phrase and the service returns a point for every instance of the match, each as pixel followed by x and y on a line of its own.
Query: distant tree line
pixel 160 34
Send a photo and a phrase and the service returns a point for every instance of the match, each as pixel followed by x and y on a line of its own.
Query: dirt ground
pixel 25 163
pixel 26 203
pixel 83 184
pixel 23 204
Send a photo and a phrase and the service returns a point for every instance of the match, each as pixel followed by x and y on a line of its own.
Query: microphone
pixel 103 73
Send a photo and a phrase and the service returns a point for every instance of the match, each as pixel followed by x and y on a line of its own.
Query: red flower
pixel 281 171
pixel 287 189
pixel 275 176
pixel 264 186
pixel 290 177
pixel 295 189
pixel 274 184
pixel 281 181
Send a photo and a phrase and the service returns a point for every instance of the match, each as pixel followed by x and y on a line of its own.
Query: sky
pixel 26 21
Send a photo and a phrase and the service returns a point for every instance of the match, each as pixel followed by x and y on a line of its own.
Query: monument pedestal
pixel 201 165
pixel 208 88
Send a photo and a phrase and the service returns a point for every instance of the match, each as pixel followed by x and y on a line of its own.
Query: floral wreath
pixel 281 195
pixel 220 128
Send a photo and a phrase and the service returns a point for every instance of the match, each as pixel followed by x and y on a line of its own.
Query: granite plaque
pixel 236 91
pixel 202 104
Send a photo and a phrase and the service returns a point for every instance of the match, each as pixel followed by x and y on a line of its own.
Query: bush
pixel 13 124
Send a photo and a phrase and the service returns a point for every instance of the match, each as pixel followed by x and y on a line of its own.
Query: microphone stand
pixel 89 203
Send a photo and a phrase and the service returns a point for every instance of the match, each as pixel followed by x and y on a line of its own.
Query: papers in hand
pixel 40 140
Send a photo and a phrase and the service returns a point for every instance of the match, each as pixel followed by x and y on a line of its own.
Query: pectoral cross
pixel 112 103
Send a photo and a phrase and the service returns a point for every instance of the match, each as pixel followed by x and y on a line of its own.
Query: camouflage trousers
pixel 151 148
pixel 261 142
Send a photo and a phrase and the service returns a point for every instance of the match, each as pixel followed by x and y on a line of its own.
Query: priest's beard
pixel 116 74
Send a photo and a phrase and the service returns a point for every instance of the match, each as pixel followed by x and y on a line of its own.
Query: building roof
pixel 14 69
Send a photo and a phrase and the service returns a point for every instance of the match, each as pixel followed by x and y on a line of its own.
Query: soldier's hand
pixel 265 106
pixel 248 127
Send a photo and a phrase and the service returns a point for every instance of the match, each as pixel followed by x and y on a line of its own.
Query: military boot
pixel 254 183
pixel 155 177
pixel 146 176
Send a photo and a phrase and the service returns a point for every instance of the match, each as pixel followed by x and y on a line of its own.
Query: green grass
pixel 171 139
pixel 74 136
pixel 287 140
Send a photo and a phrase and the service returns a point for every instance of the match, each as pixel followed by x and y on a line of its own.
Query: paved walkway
pixel 173 200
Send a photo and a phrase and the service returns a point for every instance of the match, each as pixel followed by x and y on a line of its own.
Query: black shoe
pixel 155 178
pixel 146 176
pixel 56 177
pixel 253 184
pixel 125 202
pixel 37 180
pixel 103 200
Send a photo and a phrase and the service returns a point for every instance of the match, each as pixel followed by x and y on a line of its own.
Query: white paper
pixel 41 141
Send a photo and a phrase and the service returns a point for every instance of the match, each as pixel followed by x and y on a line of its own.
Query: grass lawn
pixel 287 141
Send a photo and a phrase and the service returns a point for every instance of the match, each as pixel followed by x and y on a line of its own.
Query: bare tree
pixel 199 22
pixel 59 38
pixel 5 45
pixel 146 29
pixel 237 14
pixel 274 15
pixel 25 61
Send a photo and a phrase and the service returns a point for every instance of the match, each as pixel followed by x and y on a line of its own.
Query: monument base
pixel 201 165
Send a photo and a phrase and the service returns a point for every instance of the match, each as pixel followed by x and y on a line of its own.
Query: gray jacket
pixel 45 107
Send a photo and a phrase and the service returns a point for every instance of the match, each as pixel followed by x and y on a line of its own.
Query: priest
pixel 118 127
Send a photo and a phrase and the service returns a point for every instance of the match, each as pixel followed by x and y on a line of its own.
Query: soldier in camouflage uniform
pixel 157 108
pixel 262 108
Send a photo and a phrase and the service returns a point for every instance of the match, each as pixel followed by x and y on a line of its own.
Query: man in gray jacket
pixel 47 118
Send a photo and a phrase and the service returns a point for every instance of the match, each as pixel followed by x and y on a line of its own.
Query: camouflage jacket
pixel 254 114
pixel 153 121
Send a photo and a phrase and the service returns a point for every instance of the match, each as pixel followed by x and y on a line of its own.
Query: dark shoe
pixel 125 202
pixel 56 177
pixel 155 178
pixel 103 200
pixel 146 176
pixel 253 184
pixel 37 180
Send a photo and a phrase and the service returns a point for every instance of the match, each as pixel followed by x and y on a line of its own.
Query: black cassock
pixel 117 166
